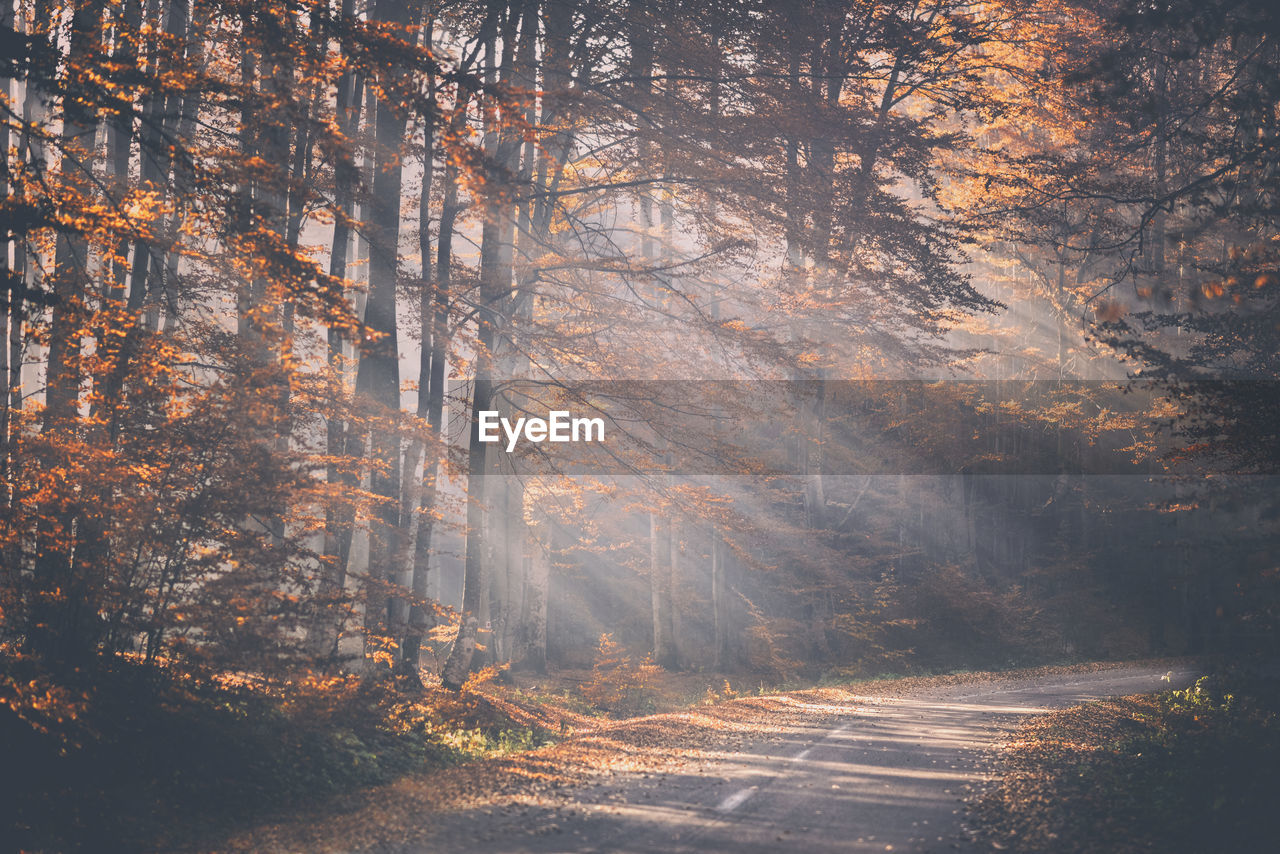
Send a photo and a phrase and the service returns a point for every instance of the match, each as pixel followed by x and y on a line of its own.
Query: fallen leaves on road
pixel 410 811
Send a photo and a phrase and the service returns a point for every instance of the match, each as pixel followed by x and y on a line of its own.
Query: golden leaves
pixel 43 704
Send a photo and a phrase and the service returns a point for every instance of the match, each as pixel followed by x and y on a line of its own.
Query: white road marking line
pixel 741 796
pixel 736 800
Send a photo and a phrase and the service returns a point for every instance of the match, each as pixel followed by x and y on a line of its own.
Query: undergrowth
pixel 153 762
pixel 1190 770
pixel 620 684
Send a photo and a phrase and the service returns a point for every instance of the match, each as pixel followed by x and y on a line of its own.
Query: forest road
pixel 890 774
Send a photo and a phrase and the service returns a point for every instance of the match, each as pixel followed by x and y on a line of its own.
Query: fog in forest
pixel 886 338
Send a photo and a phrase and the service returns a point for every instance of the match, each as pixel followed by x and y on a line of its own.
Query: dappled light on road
pixel 825 770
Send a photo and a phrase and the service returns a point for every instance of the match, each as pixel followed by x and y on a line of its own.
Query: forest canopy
pixel 931 333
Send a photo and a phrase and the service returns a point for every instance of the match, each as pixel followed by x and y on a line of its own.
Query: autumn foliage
pixel 619 683
pixel 927 334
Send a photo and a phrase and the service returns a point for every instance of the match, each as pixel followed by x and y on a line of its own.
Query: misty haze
pixel 640 425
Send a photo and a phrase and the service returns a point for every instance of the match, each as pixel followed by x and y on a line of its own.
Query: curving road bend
pixel 888 775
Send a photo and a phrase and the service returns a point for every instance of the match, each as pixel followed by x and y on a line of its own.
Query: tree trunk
pixel 421 618
pixel 418 480
pixel 120 136
pixel 64 618
pixel 534 658
pixel 499 524
pixel 378 377
pixel 325 630
pixel 660 591
pixel 674 596
pixel 719 614
pixel 815 495
pixel 495 282
pixel 9 285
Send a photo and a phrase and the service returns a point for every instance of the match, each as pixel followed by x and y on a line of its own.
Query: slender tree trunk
pixel 499 526
pixel 120 135
pixel 272 204
pixel 474 583
pixel 537 592
pixel 794 224
pixel 664 650
pixel 495 281
pixel 413 479
pixel 642 70
pixel 164 264
pixel 674 597
pixel 65 616
pixel 8 281
pixel 509 535
pixel 159 119
pixel 246 191
pixel 339 520
pixel 27 266
pixel 71 261
pixel 420 464
pixel 378 377
pixel 1161 188
pixel 718 602
pixel 815 495
pixel 150 264
pixel 186 113
pixel 421 618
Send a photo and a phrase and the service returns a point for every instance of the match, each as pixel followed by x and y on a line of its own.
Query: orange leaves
pixel 810 359
pixel 43 704
pixel 1217 288
pixel 481 677
pixel 189 518
pixel 618 683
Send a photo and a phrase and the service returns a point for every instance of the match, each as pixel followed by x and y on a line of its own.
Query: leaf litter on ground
pixel 410 811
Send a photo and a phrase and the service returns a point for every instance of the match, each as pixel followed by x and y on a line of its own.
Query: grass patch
pixel 1193 770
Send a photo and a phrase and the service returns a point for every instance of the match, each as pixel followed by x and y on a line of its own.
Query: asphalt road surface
pixel 890 775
